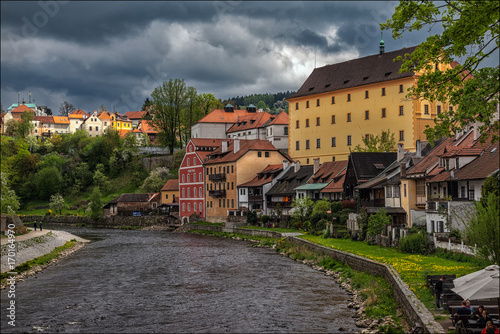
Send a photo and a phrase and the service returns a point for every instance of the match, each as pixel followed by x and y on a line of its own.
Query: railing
pixel 255 198
pixel 272 205
pixel 217 193
pixel 217 177
pixel 433 206
pixel 378 203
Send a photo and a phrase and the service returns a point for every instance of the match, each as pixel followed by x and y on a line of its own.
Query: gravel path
pixel 36 246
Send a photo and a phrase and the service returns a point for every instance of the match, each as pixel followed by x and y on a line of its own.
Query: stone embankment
pixel 32 248
pixel 167 222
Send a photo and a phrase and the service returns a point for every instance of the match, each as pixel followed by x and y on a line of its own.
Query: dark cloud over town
pixel 116 53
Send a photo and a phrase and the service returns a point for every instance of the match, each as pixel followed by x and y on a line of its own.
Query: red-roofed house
pixel 277 131
pixel 233 163
pixel 61 124
pixel 135 117
pixel 144 128
pixel 218 122
pixel 192 177
pixel 170 192
pixel 76 119
pixel 93 125
pixel 18 111
pixel 44 126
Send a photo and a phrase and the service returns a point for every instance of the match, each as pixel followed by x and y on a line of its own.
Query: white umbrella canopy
pixel 482 284
pixel 472 277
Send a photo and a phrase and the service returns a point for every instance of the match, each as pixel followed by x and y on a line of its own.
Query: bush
pixel 414 244
pixel 307 225
pixel 252 218
pixel 455 233
pixel 265 219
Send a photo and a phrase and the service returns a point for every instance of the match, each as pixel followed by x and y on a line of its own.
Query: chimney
pixel 236 144
pixel 402 169
pixel 401 151
pixel 297 166
pixel 285 164
pixel 315 165
pixel 224 146
pixel 418 149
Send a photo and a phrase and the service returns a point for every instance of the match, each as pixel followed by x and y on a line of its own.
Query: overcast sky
pixel 116 53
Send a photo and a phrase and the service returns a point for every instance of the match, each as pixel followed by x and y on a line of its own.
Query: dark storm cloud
pixel 93 53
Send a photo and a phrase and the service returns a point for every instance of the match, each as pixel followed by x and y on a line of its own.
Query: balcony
pixel 283 205
pixel 217 177
pixel 377 203
pixel 255 198
pixel 217 193
pixel 435 206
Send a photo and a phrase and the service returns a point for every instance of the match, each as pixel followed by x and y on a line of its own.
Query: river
pixel 156 281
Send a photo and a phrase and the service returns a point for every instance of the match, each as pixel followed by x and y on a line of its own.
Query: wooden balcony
pixel 217 177
pixel 217 193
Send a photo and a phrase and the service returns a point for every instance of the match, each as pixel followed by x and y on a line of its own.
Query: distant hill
pixel 273 102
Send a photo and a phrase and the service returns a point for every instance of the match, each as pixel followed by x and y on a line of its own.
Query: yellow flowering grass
pixel 412 268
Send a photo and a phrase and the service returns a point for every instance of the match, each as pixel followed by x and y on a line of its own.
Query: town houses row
pixel 94 123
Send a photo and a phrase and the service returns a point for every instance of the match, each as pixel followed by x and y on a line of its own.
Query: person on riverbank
pixel 34 225
pixel 40 226
pixel 438 289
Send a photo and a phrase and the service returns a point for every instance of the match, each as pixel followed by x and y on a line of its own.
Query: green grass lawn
pixel 277 229
pixel 412 268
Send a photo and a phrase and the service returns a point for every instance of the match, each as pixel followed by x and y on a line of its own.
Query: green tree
pixel 26 125
pixel 156 180
pixel 100 179
pixel 490 185
pixel 9 201
pixel 191 114
pixel 470 35
pixel 57 203
pixel 208 102
pixel 48 181
pixel 262 105
pixel 378 222
pixel 147 103
pixel 66 108
pixel 482 228
pixel 11 126
pixel 363 223
pixel 168 102
pixel 95 205
pixel 302 208
pixel 385 142
pixel 322 206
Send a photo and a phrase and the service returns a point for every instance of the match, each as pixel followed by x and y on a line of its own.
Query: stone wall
pixel 218 228
pixel 107 222
pixel 412 307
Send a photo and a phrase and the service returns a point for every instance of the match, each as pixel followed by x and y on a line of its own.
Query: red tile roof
pixel 250 121
pixel 245 145
pixel 220 116
pixel 134 114
pixel 21 108
pixel 145 127
pixel 171 185
pixel 328 171
pixel 336 186
pixel 61 119
pixel 206 142
pixel 263 177
pixel 430 159
pixel 44 119
pixel 481 167
pixel 281 119
pixel 104 115
pixel 123 133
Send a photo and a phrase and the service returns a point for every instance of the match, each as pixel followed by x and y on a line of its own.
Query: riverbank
pixel 35 251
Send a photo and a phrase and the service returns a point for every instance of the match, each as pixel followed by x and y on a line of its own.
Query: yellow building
pixel 170 192
pixel 233 163
pixel 340 104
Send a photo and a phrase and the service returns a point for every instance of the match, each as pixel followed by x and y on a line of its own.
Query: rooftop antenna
pixel 382 44
pixel 18 97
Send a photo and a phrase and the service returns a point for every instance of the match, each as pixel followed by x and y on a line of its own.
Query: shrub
pixel 307 225
pixel 414 244
pixel 265 219
pixel 455 233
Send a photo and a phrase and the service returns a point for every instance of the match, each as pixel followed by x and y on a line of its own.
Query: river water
pixel 156 281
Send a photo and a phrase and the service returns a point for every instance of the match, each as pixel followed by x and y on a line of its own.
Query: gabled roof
pixel 124 133
pixel 353 73
pixel 431 158
pixel 206 142
pixel 336 185
pixel 221 116
pixel 134 115
pixel 171 185
pixel 145 127
pixel 328 171
pixel 481 167
pixel 104 115
pixel 147 197
pixel 290 180
pixel 265 176
pixel 250 121
pixel 281 119
pixel 21 108
pixel 44 119
pixel 218 156
pixel 367 165
pixel 78 114
pixel 61 119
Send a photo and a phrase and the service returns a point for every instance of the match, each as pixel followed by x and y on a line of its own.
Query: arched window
pixel 188 162
pixel 201 193
pixel 182 178
pixel 189 206
pixel 184 192
pixel 199 176
pixel 183 206
pixel 195 207
pixel 189 195
pixel 188 178
pixel 194 192
pixel 194 177
pixel 201 207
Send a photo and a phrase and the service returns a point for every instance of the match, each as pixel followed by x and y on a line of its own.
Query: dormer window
pixel 447 164
pixel 457 164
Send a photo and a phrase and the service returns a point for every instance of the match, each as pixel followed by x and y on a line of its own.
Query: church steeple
pixel 382 44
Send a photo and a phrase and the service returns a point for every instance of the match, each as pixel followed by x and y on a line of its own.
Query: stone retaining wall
pixel 218 228
pixel 412 307
pixel 107 222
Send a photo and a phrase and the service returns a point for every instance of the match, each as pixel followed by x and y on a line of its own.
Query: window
pixel 396 193
pixel 401 111
pixel 348 97
pixel 318 143
pixel 201 206
pixel 307 144
pixel 232 202
pixel 259 154
pixel 307 161
pixel 404 189
pixel 194 161
pixel 207 170
pixel 388 192
pixel 383 91
pixel 400 88
pixel 317 102
pixel 457 163
pixel 317 121
pixel 349 140
pixel 307 104
pixel 307 122
pixel 438 110
pixel 426 109
pixel 333 99
pixel 334 141
pixel 195 207
pixel 366 94
pixel 462 192
pixel 349 117
pixel 451 108
pixel 333 158
pixel 266 154
pixel 188 163
pixel 232 169
pixel 194 177
pixel 297 124
pixel 90 128
pixel 297 145
pixel 297 106
pixel 220 204
pixel 232 185
pixel 166 196
pixel 383 113
pixel 367 138
pixel 199 176
pixel 183 206
pixel 333 119
pixel 184 192
pixel 182 178
pixel 420 188
pixel 194 192
pixel 285 130
pixel 97 128
pixel 188 178
pixel 367 114
pixel 189 192
pixel 224 203
pixel 401 135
